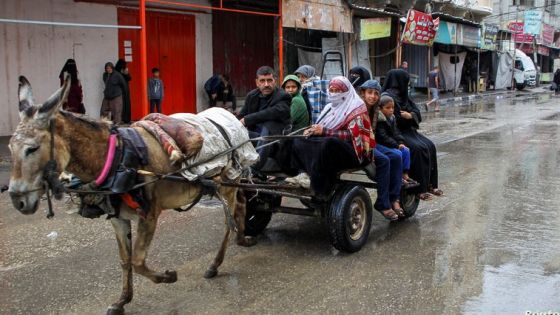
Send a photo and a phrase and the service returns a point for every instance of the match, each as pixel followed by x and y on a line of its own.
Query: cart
pixel 348 211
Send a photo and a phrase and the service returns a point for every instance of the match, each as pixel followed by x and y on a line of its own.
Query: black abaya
pixel 423 154
pixel 323 158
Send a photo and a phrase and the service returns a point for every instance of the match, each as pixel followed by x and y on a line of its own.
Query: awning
pixel 362 11
pixel 451 18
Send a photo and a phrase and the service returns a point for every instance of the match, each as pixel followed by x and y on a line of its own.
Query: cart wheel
pixel 409 203
pixel 349 218
pixel 259 212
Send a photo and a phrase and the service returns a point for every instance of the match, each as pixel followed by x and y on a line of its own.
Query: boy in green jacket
pixel 298 109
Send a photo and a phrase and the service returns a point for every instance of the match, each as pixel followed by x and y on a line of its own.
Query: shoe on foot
pixel 390 215
pixel 302 180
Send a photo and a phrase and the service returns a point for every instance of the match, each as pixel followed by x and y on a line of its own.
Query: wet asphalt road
pixel 490 246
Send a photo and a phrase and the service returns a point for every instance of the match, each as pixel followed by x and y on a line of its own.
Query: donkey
pixel 75 142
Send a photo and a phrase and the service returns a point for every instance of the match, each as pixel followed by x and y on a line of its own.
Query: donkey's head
pixel 31 146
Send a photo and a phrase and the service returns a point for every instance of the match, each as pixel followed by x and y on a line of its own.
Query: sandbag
pixel 230 165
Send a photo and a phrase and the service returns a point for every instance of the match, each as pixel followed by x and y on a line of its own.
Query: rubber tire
pixel 519 87
pixel 256 221
pixel 409 203
pixel 339 214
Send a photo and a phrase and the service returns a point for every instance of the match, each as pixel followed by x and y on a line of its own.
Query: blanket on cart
pixel 191 138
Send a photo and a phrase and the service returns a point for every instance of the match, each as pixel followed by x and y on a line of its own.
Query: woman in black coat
pixel 423 155
pixel 126 111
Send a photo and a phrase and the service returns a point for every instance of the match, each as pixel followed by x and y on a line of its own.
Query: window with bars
pixel 526 3
pixel 550 5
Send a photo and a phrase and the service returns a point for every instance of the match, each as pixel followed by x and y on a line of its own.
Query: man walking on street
pixel 433 84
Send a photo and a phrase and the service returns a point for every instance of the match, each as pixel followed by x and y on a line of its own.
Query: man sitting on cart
pixel 266 111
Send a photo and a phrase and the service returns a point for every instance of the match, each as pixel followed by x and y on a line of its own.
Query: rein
pixel 50 175
pixel 53 184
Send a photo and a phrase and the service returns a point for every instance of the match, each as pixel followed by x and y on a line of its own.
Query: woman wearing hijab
pixel 341 139
pixel 75 102
pixel 126 111
pixel 423 158
pixel 358 75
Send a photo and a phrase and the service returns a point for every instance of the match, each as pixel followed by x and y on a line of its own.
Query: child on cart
pixel 387 134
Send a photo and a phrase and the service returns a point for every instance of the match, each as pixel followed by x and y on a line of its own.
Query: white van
pixel 525 73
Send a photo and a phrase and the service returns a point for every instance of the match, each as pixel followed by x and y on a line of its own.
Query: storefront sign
pixel 490 32
pixel 470 36
pixel 547 34
pixel 447 33
pixel 545 51
pixel 458 34
pixel 516 29
pixel 533 22
pixel 375 28
pixel 527 49
pixel 420 28
pixel 332 15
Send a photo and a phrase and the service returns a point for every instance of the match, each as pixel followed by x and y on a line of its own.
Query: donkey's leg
pixel 145 233
pixel 237 205
pixel 212 271
pixel 123 233
pixel 239 212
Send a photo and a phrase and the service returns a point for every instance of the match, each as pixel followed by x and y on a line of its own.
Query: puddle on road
pixel 553 117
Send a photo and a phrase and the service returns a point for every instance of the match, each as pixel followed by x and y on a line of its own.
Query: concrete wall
pixel 39 52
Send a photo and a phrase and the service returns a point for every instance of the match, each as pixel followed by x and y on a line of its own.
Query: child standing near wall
pixel 155 91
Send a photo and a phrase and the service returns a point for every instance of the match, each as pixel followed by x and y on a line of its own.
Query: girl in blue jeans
pixel 388 163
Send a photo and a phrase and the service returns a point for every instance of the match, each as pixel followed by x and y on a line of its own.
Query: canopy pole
pixel 280 43
pixel 143 60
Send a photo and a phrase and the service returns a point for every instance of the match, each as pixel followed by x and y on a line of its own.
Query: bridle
pixel 51 175
pixel 51 183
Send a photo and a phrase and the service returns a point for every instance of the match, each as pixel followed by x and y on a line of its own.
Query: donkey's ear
pixel 25 94
pixel 55 101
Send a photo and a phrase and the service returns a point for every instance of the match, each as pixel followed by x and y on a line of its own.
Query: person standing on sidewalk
pixel 433 85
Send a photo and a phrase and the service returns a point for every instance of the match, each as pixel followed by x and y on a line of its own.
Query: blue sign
pixel 533 22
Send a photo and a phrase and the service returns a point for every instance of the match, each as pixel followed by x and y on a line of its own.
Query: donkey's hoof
pixel 210 273
pixel 170 276
pixel 247 241
pixel 115 310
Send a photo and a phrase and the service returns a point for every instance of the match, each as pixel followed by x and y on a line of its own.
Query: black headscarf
pixel 396 83
pixel 121 65
pixel 396 86
pixel 358 75
pixel 70 67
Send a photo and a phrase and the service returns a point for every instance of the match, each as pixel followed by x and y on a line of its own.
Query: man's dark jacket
pixel 275 116
pixel 115 85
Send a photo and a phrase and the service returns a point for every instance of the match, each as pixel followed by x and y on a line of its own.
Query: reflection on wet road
pixel 490 246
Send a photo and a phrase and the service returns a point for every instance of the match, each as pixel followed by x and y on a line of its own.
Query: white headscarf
pixel 340 106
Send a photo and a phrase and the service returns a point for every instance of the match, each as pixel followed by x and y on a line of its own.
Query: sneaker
pixel 301 180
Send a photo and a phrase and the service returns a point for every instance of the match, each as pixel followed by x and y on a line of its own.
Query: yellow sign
pixel 375 28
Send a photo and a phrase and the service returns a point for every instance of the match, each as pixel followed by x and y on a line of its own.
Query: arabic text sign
pixel 547 34
pixel 490 35
pixel 516 29
pixel 420 28
pixel 375 28
pixel 533 21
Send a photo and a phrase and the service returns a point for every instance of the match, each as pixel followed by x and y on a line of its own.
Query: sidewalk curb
pixel 458 99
